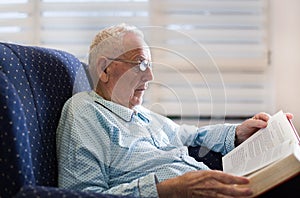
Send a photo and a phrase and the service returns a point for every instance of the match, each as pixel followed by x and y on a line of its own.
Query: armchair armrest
pixel 202 154
pixel 54 192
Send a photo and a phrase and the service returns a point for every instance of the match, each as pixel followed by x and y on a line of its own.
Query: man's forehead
pixel 133 41
pixel 137 52
pixel 135 46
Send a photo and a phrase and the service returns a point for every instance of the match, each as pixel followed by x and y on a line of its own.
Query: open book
pixel 269 157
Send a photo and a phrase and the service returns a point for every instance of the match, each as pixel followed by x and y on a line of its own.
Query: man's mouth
pixel 141 89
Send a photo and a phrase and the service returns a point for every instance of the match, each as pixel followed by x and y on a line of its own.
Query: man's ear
pixel 102 64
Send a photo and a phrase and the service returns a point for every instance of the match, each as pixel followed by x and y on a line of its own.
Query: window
pixel 210 56
pixel 16 21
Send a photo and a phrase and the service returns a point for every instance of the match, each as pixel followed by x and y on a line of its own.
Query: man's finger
pixel 262 116
pixel 289 116
pixel 226 178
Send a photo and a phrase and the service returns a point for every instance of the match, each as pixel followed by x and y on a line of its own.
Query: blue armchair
pixel 35 82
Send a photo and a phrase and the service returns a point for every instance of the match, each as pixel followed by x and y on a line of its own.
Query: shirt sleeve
pixel 219 138
pixel 83 165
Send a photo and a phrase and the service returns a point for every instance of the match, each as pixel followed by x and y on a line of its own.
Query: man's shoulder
pixel 78 99
pixel 81 94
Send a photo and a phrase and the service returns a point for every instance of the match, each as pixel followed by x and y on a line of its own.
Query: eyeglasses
pixel 143 64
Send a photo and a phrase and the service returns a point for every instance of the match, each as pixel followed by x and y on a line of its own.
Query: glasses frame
pixel 143 64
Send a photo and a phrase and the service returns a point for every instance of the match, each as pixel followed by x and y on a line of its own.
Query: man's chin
pixel 136 101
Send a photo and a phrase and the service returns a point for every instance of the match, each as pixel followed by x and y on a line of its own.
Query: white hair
pixel 109 43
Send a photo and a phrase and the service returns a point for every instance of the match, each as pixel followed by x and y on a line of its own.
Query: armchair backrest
pixel 35 82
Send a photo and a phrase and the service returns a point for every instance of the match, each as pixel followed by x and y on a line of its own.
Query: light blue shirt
pixel 105 147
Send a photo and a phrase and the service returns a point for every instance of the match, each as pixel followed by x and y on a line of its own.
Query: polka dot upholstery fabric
pixel 35 83
pixel 212 159
pixel 50 192
pixel 15 161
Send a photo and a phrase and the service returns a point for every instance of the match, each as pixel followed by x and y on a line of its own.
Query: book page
pixel 262 148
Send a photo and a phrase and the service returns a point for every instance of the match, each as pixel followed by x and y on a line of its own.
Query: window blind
pixel 233 31
pixel 71 25
pixel 210 56
pixel 17 21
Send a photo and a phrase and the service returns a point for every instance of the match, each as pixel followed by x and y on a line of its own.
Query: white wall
pixel 285 49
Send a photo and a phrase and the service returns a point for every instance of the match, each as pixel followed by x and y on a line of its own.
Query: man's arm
pixel 219 138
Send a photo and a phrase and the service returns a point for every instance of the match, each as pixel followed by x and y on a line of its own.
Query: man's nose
pixel 148 75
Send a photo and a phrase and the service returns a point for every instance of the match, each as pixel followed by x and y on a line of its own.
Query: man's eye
pixel 143 65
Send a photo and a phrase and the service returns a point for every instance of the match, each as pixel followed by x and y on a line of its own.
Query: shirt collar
pixel 121 111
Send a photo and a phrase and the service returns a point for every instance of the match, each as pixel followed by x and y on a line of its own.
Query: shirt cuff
pixel 147 186
pixel 229 141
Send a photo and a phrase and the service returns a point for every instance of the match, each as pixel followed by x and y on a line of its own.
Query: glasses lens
pixel 144 64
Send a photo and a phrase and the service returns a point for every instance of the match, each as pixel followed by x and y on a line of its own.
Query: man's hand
pixel 205 183
pixel 251 125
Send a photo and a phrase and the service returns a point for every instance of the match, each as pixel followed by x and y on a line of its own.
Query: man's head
pixel 118 55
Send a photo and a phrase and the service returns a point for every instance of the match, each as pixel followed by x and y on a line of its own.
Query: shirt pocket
pixel 160 139
pixel 132 137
